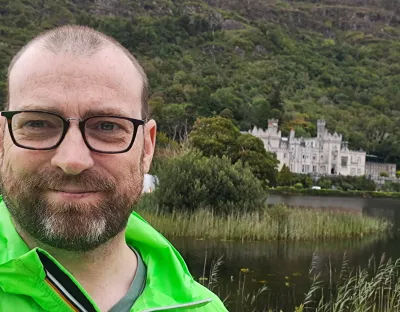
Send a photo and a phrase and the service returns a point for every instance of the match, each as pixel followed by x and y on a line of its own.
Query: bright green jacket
pixel 169 286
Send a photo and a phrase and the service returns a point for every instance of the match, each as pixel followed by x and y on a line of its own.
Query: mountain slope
pixel 248 59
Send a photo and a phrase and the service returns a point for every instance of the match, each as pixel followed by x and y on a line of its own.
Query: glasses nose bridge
pixel 73 118
pixel 80 124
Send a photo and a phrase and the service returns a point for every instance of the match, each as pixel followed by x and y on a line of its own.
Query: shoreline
pixel 287 190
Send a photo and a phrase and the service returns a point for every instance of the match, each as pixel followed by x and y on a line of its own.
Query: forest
pixel 247 60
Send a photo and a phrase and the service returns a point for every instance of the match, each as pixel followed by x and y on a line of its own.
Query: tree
pixel 308 181
pixel 226 113
pixel 285 176
pixel 275 98
pixel 325 183
pixel 218 136
pixel 298 185
pixel 226 98
pixel 384 174
pixel 173 119
pixel 215 136
pixel 191 181
pixel 347 186
pixel 263 164
pixel 364 184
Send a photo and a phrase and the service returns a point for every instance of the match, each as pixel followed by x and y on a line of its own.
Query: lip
pixel 74 193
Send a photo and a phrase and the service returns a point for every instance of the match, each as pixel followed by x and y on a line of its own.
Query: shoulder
pixel 216 303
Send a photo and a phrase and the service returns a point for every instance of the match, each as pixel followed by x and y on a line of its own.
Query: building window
pixel 284 155
pixel 344 161
pixel 353 171
pixel 312 144
pixel 322 169
pixel 314 169
pixel 322 157
pixel 358 160
pixel 307 168
pixel 302 168
pixel 358 171
pixel 314 157
pixel 304 156
pixel 291 168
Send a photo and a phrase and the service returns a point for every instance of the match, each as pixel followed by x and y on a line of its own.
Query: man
pixel 76 143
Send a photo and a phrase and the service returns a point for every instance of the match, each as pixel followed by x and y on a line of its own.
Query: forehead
pixel 75 84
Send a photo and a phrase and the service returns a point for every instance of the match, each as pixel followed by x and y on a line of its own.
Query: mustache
pixel 93 180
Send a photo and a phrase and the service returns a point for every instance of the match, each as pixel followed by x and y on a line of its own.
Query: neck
pixel 106 272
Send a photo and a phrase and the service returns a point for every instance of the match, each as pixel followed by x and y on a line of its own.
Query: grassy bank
pixel 279 222
pixel 286 190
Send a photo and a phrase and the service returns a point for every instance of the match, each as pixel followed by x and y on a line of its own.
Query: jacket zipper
pixel 178 306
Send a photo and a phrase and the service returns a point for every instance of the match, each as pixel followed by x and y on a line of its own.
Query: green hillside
pixel 250 60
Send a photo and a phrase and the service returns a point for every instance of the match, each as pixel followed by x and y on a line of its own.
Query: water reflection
pixel 284 266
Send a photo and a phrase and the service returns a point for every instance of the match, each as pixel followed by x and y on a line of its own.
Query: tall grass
pixel 239 299
pixel 375 288
pixel 279 222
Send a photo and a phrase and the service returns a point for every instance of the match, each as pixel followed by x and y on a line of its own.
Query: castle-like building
pixel 326 154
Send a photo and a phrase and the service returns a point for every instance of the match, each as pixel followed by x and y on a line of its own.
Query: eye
pixel 108 126
pixel 37 124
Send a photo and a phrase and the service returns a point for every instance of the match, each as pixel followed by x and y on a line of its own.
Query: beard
pixel 70 225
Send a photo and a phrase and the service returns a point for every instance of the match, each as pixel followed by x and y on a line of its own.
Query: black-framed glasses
pixel 38 130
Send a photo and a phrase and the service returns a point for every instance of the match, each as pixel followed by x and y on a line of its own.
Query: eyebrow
pixel 98 111
pixel 104 111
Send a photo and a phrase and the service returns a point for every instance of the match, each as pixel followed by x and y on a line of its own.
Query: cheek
pixel 16 159
pixel 126 170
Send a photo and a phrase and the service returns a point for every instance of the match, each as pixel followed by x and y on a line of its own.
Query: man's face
pixel 70 197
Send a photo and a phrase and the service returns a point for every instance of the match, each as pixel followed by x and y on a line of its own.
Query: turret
pixel 321 128
pixel 292 134
pixel 273 124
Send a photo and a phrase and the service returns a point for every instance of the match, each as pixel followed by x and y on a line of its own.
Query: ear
pixel 3 122
pixel 150 130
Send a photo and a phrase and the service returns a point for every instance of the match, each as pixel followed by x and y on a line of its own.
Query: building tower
pixel 321 128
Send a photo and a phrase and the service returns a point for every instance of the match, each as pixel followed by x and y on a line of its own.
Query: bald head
pixel 78 41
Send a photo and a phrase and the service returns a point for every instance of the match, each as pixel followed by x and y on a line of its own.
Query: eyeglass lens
pixel 41 130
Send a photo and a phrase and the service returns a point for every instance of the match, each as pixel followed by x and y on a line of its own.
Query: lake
pixel 284 267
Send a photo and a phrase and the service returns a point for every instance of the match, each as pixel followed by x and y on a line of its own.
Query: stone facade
pixel 326 154
pixel 373 170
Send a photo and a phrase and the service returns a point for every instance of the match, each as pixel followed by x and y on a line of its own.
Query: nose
pixel 72 155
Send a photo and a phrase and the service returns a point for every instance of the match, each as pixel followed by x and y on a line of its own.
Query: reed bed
pixel 372 289
pixel 278 222
pixel 375 288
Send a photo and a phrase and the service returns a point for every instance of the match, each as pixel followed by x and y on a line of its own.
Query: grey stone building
pixel 326 154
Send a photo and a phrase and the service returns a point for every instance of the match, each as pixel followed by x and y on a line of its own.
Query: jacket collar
pixel 166 268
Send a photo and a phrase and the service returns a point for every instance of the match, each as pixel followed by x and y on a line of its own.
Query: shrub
pixel 191 181
pixel 325 183
pixel 298 185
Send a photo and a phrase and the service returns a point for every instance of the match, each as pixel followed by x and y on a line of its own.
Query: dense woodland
pixel 247 60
